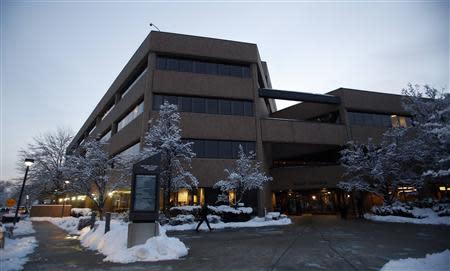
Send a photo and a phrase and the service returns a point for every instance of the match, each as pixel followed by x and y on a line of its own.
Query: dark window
pixel 225 150
pixel 250 147
pixel 157 101
pixel 225 107
pixel 212 106
pixel 211 68
pixel 186 65
pixel 161 63
pixel 235 70
pixel 211 149
pixel 235 149
pixel 199 148
pixel 171 99
pixel 198 105
pixel 186 104
pixel 245 71
pixel 199 67
pixel 248 108
pixel 223 69
pixel 237 108
pixel 172 64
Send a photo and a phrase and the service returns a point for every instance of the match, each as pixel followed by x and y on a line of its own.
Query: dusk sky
pixel 59 58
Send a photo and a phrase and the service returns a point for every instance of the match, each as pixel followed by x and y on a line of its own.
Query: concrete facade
pixel 297 145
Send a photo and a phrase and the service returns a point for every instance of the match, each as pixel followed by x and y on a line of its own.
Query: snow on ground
pixel 114 244
pixel 23 227
pixel 80 211
pixel 255 222
pixel 430 217
pixel 68 223
pixel 15 253
pixel 431 262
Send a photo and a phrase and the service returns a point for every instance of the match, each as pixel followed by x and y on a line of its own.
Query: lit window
pixel 232 197
pixel 442 188
pixel 183 196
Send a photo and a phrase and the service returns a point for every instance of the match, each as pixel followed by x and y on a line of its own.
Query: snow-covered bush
pixel 214 219
pixel 77 212
pixel 185 210
pixel 181 219
pixel 442 209
pixel 396 209
pixel 230 214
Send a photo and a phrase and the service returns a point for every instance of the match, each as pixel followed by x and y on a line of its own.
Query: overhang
pixel 298 96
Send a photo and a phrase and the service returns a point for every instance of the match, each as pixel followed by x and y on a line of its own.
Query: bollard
pixel 93 215
pixel 107 222
pixel 2 238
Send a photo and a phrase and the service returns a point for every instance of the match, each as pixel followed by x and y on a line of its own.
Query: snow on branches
pixel 94 173
pixel 164 137
pixel 246 176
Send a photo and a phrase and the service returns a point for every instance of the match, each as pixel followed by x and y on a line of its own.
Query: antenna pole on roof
pixel 153 25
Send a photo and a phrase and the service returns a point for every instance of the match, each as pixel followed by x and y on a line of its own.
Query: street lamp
pixel 28 163
pixel 64 200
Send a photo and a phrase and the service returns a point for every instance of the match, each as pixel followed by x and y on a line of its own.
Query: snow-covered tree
pixel 49 152
pixel 430 109
pixel 247 175
pixel 94 173
pixel 407 155
pixel 164 137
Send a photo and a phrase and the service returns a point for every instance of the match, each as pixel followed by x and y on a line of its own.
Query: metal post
pixel 20 196
pixel 2 238
pixel 107 222
pixel 62 211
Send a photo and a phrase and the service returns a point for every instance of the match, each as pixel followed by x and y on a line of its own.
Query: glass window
pixel 106 136
pixel 248 108
pixel 250 147
pixel 157 101
pixel 225 150
pixel 235 149
pixel 186 65
pixel 131 116
pixel 172 64
pixel 245 71
pixel 211 68
pixel 235 70
pixel 108 111
pixel 132 150
pixel 171 99
pixel 199 148
pixel 223 69
pixel 225 107
pixel 212 106
pixel 161 63
pixel 198 105
pixel 211 149
pixel 200 67
pixel 186 104
pixel 237 108
pixel 134 83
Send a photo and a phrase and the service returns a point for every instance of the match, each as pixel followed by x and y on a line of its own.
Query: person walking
pixel 204 217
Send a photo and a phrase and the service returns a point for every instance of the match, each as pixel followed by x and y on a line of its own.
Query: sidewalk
pixel 58 251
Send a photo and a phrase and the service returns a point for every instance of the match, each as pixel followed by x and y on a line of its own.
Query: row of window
pixel 371 119
pixel 203 67
pixel 221 149
pixel 133 80
pixel 131 116
pixel 132 150
pixel 206 105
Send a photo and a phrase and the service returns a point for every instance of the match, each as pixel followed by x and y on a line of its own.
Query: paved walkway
pixel 312 243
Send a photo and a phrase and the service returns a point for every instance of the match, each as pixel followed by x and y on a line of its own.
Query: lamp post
pixel 64 199
pixel 28 163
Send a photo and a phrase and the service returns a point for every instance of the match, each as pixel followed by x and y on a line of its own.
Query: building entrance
pixel 313 201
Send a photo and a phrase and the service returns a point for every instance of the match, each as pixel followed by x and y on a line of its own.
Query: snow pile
pixel 76 212
pixel 253 223
pixel 187 208
pixel 428 216
pixel 23 227
pixel 15 253
pixel 114 244
pixel 69 224
pixel 181 219
pixel 227 209
pixel 431 262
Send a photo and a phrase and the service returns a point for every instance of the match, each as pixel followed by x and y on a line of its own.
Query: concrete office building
pixel 225 97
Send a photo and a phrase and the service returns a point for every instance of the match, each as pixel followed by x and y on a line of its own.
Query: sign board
pixel 145 190
pixel 10 202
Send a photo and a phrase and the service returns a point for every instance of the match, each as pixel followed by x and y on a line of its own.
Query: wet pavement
pixel 311 243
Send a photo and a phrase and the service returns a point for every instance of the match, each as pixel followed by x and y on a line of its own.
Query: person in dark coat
pixel 204 217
